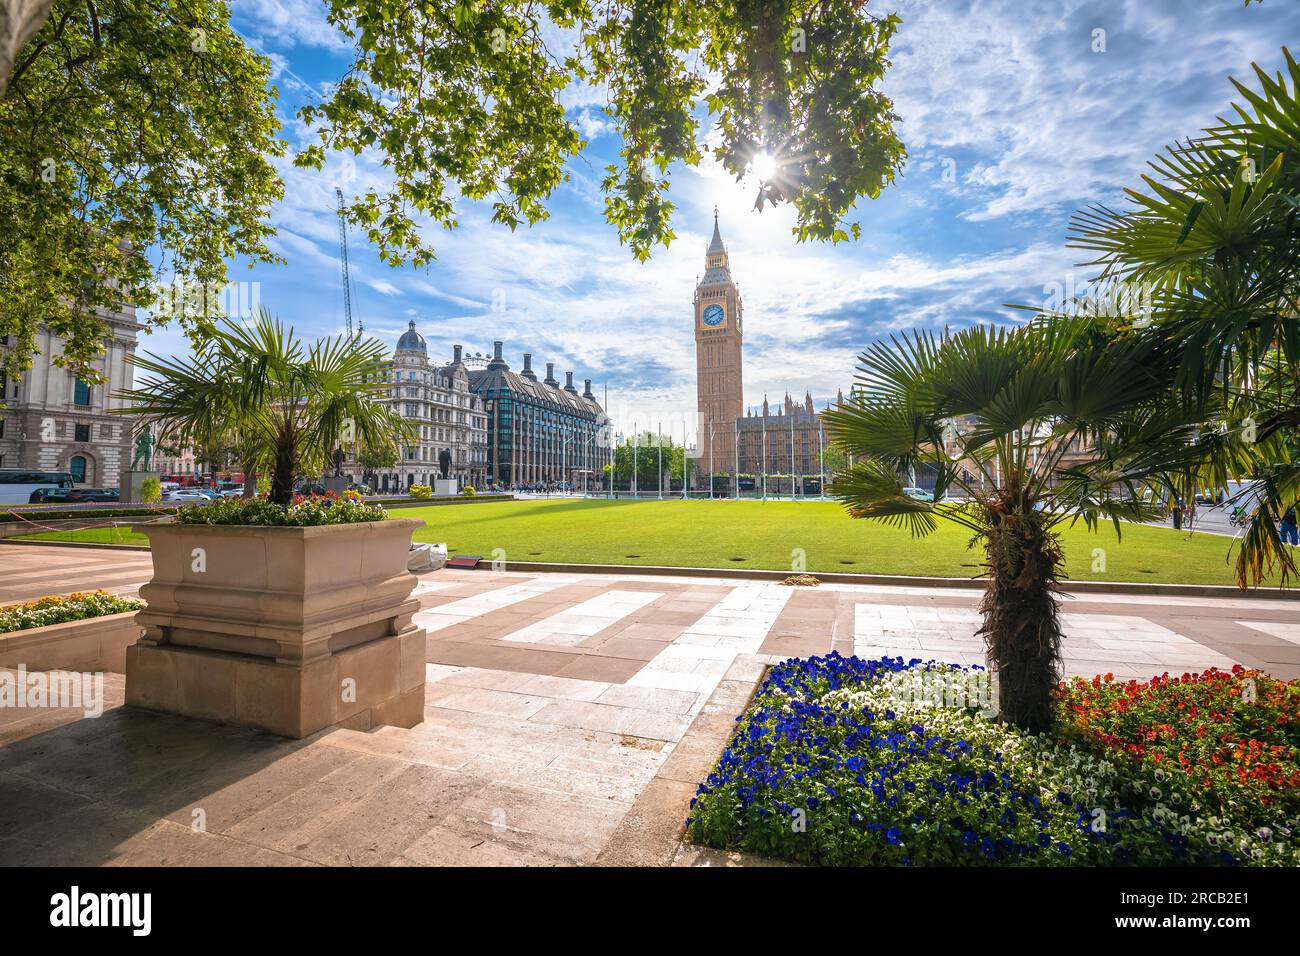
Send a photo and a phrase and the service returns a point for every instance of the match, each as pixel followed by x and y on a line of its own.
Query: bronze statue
pixel 144 443
pixel 444 462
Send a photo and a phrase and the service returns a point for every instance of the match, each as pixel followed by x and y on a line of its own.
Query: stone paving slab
pixel 568 718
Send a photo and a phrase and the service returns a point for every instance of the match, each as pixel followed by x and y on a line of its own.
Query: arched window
pixel 78 468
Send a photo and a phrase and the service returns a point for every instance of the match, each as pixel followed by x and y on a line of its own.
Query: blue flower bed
pixel 843 761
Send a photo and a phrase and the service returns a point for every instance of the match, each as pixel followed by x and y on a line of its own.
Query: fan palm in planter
pixel 286 625
pixel 994 413
pixel 285 405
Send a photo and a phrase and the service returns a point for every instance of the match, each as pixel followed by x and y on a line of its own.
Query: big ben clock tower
pixel 719 331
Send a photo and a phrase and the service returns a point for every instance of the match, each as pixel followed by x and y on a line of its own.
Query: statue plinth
pixel 446 486
pixel 131 484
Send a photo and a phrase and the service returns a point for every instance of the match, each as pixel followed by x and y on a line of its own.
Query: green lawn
pixel 754 534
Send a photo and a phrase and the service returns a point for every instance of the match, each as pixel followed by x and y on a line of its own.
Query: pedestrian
pixel 1290 533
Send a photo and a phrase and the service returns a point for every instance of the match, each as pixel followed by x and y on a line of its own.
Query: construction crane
pixel 345 267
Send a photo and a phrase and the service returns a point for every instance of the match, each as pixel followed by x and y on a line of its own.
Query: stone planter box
pixel 290 630
pixel 89 645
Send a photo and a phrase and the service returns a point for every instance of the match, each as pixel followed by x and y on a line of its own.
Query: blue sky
pixel 1006 96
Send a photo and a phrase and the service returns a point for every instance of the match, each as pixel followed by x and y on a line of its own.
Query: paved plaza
pixel 568 717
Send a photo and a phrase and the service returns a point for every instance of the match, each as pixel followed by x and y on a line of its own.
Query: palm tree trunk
pixel 282 473
pixel 1021 626
pixel 250 479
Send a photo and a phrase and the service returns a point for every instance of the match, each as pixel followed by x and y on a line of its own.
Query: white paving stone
pixel 576 624
pixel 476 605
pixel 1288 632
pixel 698 667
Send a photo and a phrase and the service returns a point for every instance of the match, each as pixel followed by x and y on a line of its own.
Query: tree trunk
pixel 1021 627
pixel 282 474
pixel 20 20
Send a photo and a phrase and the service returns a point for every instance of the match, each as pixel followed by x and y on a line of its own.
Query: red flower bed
pixel 1231 738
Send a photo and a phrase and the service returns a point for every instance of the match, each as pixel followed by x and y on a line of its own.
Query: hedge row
pixel 90 514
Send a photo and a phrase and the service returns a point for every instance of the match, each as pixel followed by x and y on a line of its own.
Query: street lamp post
pixel 821 459
pixel 711 460
pixel 736 450
pixel 659 442
pixel 792 494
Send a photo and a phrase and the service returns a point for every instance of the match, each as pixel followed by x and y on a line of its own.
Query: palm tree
pixel 1213 241
pixel 284 405
pixel 999 417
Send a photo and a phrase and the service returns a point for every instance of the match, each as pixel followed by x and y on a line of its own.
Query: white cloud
pixel 1016 85
pixel 289 23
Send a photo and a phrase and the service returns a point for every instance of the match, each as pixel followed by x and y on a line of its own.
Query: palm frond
pixel 869 490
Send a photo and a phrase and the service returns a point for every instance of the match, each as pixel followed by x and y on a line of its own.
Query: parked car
pixel 49 495
pixel 97 494
pixel 236 492
pixel 72 495
pixel 920 494
pixel 188 496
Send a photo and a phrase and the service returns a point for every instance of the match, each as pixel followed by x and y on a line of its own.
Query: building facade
pixel 538 431
pixel 719 372
pixel 444 411
pixel 787 440
pixel 171 460
pixel 51 420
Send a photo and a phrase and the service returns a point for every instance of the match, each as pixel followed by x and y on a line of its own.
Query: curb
pixel 73 544
pixel 829 577
pixel 899 580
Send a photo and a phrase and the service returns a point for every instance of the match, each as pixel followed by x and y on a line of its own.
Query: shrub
pixel 845 761
pixel 468 491
pixel 420 491
pixel 56 610
pixel 301 513
pixel 150 491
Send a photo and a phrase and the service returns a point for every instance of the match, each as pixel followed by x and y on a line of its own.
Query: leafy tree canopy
pixel 131 126
pixel 465 98
pixel 128 127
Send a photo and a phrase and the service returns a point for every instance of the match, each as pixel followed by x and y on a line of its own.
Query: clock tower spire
pixel 719 333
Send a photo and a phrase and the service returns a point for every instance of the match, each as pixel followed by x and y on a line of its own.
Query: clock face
pixel 714 315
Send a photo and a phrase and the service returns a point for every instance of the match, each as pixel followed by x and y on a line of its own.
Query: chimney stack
pixel 568 383
pixel 497 361
pixel 550 374
pixel 528 367
pixel 586 389
pixel 455 351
